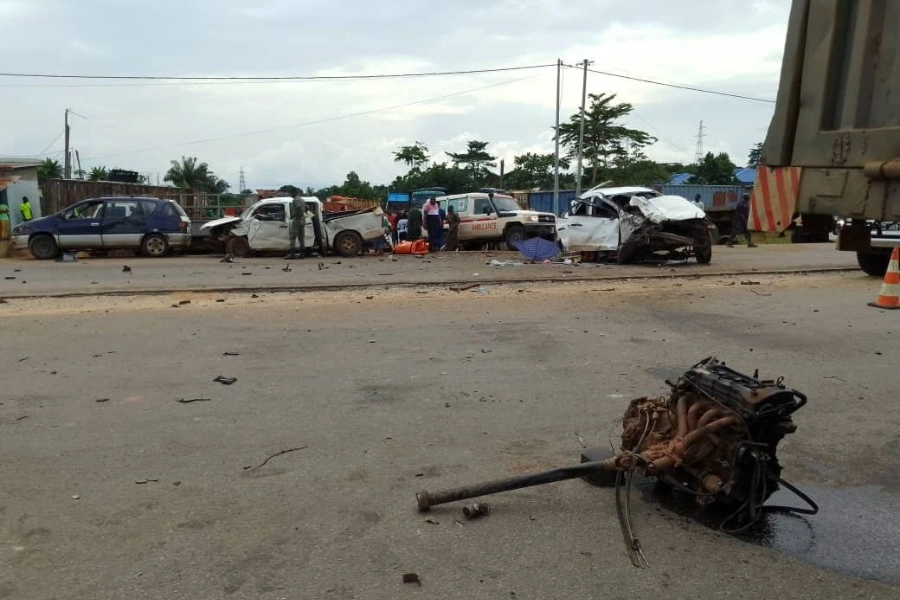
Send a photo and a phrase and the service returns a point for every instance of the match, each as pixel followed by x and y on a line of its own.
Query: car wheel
pixel 514 235
pixel 348 243
pixel 43 247
pixel 703 248
pixel 873 263
pixel 155 245
pixel 627 253
pixel 238 247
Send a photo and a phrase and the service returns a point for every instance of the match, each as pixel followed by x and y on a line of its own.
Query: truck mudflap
pixel 773 202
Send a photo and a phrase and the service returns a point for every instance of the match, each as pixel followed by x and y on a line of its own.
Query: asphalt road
pixel 390 392
pixel 105 275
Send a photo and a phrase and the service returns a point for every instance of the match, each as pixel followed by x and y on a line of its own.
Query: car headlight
pixel 532 218
pixel 18 230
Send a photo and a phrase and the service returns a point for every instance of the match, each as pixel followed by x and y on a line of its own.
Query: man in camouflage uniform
pixel 298 227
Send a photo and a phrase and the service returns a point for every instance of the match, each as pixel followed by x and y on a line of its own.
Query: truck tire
pixel 873 263
pixel 43 247
pixel 238 247
pixel 514 234
pixel 348 243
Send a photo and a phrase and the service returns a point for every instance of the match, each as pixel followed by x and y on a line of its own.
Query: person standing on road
pixel 434 224
pixel 741 217
pixel 414 225
pixel 453 233
pixel 25 209
pixel 402 227
pixel 698 201
pixel 298 227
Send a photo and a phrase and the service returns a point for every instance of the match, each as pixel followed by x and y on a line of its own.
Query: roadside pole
pixel 556 156
pixel 586 64
pixel 67 170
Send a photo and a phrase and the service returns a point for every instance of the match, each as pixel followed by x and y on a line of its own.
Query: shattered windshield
pixel 505 203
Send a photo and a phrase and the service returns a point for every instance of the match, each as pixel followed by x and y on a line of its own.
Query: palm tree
pixel 188 174
pixel 49 169
pixel 98 174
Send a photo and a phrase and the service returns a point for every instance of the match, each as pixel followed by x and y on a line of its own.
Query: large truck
pixel 833 147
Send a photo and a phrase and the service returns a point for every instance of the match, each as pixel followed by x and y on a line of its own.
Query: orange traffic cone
pixel 889 297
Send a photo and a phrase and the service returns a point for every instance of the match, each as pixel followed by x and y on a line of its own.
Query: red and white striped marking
pixel 774 198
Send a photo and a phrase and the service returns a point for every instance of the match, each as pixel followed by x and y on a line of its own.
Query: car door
pixel 592 226
pixel 124 223
pixel 270 227
pixel 79 225
pixel 481 221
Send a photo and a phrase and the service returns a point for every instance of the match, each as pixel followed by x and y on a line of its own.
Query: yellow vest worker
pixel 25 209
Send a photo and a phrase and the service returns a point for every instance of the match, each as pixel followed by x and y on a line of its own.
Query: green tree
pixel 193 176
pixel 414 156
pixel 98 174
pixel 714 169
pixel 49 169
pixel 476 159
pixel 636 168
pixel 605 138
pixel 755 155
pixel 533 171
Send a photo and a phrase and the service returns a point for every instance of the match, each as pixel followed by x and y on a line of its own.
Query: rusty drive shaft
pixel 428 499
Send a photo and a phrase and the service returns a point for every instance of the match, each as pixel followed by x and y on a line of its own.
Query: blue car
pixel 150 226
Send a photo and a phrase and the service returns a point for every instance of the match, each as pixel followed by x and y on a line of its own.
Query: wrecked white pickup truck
pixel 634 223
pixel 265 227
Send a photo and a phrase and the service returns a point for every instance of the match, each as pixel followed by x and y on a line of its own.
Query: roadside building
pixel 19 179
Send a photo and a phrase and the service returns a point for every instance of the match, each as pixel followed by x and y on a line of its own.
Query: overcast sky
pixel 270 129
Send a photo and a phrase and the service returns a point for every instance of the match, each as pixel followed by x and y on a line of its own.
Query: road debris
pixel 432 522
pixel 227 259
pixel 75 496
pixel 714 436
pixel 102 400
pixel 183 302
pixel 22 418
pixel 126 269
pixel 286 268
pixel 270 457
pixel 189 400
pixel 246 273
pixel 176 483
pixel 220 299
pixel 475 510
pixel 23 359
pixel 228 353
pixel 748 282
pixel 411 578
pixel 143 481
pixel 225 380
pixel 760 293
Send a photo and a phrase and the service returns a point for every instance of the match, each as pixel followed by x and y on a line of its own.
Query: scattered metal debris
pixel 760 293
pixel 143 481
pixel 176 483
pixel 411 578
pixel 475 510
pixel 748 282
pixel 432 522
pixel 183 302
pixel 287 268
pixel 102 400
pixel 463 288
pixel 189 400
pixel 225 380
pixel 22 418
pixel 227 259
pixel 220 299
pixel 231 354
pixel 75 496
pixel 714 437
pixel 126 269
pixel 24 359
pixel 270 457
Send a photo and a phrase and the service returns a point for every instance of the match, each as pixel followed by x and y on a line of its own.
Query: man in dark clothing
pixel 414 224
pixel 453 233
pixel 741 217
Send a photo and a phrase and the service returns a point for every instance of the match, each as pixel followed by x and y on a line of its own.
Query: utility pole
pixel 67 172
pixel 556 155
pixel 586 64
pixel 700 135
pixel 502 169
pixel 78 162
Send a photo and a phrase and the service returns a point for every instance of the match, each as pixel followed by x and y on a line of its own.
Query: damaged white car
pixel 265 227
pixel 635 223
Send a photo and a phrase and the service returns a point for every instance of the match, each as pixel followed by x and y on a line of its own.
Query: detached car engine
pixel 714 436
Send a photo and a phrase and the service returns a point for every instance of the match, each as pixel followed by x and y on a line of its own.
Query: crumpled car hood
pixel 217 222
pixel 667 208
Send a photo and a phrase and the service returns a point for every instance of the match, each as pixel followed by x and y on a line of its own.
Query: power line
pixel 678 86
pixel 278 78
pixel 50 145
pixel 317 121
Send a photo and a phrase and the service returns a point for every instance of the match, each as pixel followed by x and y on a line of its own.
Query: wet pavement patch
pixel 856 531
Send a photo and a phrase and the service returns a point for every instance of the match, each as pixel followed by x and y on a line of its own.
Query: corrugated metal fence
pixel 543 201
pixel 715 198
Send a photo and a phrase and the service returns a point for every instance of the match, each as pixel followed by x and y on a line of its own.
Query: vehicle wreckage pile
pixel 714 436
